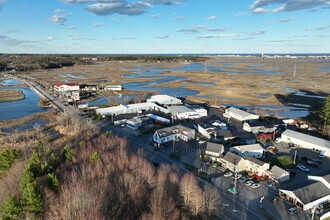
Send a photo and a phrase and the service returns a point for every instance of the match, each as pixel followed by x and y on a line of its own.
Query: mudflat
pixel 8 95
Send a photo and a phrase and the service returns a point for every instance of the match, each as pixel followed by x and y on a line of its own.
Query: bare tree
pixel 212 199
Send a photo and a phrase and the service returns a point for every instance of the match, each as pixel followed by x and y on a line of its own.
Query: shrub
pixel 53 182
pixel 94 157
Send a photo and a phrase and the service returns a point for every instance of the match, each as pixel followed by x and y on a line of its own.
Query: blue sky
pixel 164 26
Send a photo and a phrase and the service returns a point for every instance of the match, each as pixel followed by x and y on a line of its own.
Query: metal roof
pixel 239 112
pixel 213 147
pixel 250 147
pixel 254 160
pixel 278 172
pixel 232 158
pixel 180 109
pixel 162 98
pixel 307 138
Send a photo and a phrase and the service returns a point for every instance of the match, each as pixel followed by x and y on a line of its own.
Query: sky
pixel 164 26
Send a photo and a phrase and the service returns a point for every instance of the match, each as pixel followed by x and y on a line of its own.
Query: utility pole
pixel 295 155
pixel 173 145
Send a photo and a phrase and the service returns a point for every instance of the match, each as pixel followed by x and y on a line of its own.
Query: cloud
pixel 199 26
pixel 300 35
pixel 82 38
pixel 123 38
pixel 51 38
pixel 258 32
pixel 1 2
pixel 74 35
pixel 58 19
pixel 10 31
pixel 244 38
pixel 165 2
pixel 179 18
pixel 212 17
pixel 188 30
pixel 318 28
pixel 322 35
pixel 98 24
pixel 156 16
pixel 286 5
pixel 59 11
pixel 281 20
pixel 163 36
pixel 238 14
pixel 219 35
pixel 118 7
pixel 277 41
pixel 72 27
pixel 217 29
pixel 115 19
pixel 8 41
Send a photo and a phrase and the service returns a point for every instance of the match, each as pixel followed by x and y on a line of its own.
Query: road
pixel 232 207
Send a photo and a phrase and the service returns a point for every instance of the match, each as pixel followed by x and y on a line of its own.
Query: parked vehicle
pixel 292 211
pixel 248 183
pixel 228 174
pixel 274 199
pixel 215 165
pixel 242 179
pixel 255 185
pixel 201 142
pixel 313 164
pixel 237 176
pixel 303 168
pixel 221 168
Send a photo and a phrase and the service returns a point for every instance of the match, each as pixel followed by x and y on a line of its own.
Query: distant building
pixel 199 109
pixel 159 119
pixel 178 132
pixel 253 150
pixel 214 150
pixel 308 194
pixel 183 112
pixel 116 87
pixel 134 123
pixel 165 100
pixel 262 126
pixel 87 87
pixel 256 166
pixel 307 141
pixel 278 174
pixel 239 114
pixel 60 87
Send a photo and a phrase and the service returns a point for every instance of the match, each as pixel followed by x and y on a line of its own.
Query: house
pixel 165 100
pixel 87 87
pixel 307 141
pixel 205 129
pixel 253 150
pixel 256 166
pixel 214 150
pixel 264 126
pixel 239 114
pixel 176 133
pixel 183 112
pixel 111 87
pixel 60 87
pixel 199 109
pixel 278 174
pixel 233 162
pixel 308 194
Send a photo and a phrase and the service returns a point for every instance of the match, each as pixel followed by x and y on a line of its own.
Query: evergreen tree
pixel 10 209
pixel 31 198
pixel 53 182
pixel 94 157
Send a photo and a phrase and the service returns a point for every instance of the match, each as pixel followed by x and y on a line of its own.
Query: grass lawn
pixel 283 161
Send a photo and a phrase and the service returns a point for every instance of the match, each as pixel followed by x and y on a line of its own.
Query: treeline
pixel 28 62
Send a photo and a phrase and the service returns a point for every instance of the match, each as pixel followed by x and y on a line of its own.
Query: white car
pixel 201 142
pixel 228 174
pixel 278 140
pixel 303 168
pixel 249 183
pixel 255 185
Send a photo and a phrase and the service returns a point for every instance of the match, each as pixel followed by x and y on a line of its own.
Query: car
pixel 303 168
pixel 255 185
pixel 313 164
pixel 248 183
pixel 242 179
pixel 274 199
pixel 208 162
pixel 215 165
pixel 201 142
pixel 292 211
pixel 237 176
pixel 221 168
pixel 270 184
pixel 228 174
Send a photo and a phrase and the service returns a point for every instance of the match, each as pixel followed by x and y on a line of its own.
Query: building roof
pixel 59 84
pixel 72 84
pixel 179 109
pixel 254 160
pixel 278 172
pixel 226 134
pixel 122 108
pixel 213 147
pixel 249 147
pixel 113 85
pixel 307 138
pixel 266 124
pixel 239 112
pixel 163 98
pixel 309 191
pixel 232 158
pixel 165 132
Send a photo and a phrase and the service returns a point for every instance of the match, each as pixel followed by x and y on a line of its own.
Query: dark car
pixel 292 211
pixel 274 199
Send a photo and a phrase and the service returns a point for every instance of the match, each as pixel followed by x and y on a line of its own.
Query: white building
pixel 134 123
pixel 306 141
pixel 256 166
pixel 239 114
pixel 176 133
pixel 199 109
pixel 308 194
pixel 183 112
pixel 129 109
pixel 60 87
pixel 164 100
pixel 278 174
pixel 116 87
pixel 253 150
pixel 214 150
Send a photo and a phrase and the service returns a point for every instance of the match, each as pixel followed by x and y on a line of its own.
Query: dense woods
pixel 97 176
pixel 28 62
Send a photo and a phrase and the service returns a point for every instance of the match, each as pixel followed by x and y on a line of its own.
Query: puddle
pixel 300 93
pixel 11 82
pixel 119 99
pixel 28 126
pixel 199 83
pixel 264 95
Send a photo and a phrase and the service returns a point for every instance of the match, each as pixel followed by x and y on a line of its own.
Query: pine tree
pixel 10 209
pixel 32 199
pixel 53 182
